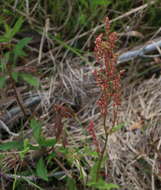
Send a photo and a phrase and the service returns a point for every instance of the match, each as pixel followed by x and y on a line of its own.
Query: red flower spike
pixel 107 77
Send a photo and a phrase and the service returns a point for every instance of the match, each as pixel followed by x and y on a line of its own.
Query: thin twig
pixel 63 168
pixel 5 127
pixel 141 52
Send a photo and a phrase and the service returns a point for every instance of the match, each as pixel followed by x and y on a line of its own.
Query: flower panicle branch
pixel 107 77
pixel 92 132
pixel 61 111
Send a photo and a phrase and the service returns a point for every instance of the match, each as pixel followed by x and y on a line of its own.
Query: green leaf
pixel 93 171
pixel 10 32
pixel 1 20
pixel 63 150
pixel 82 18
pixel 16 27
pixel 3 39
pixel 36 129
pixel 18 49
pixel 71 184
pixel 89 152
pixel 15 76
pixel 117 127
pixel 2 81
pixel 11 145
pixel 24 152
pixel 33 81
pixel 51 156
pixel 47 142
pixel 41 170
pixel 84 3
pixel 36 147
pixel 26 148
pixel 7 28
pixel 101 184
pixel 4 61
pixel 100 2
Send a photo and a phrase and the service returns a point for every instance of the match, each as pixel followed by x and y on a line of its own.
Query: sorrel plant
pixel 108 80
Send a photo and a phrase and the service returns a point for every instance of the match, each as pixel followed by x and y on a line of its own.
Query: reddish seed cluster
pixel 107 77
pixel 64 111
pixel 92 132
pixel 61 111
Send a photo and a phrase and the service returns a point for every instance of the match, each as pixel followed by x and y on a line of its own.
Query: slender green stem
pixel 107 132
pixel 103 151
